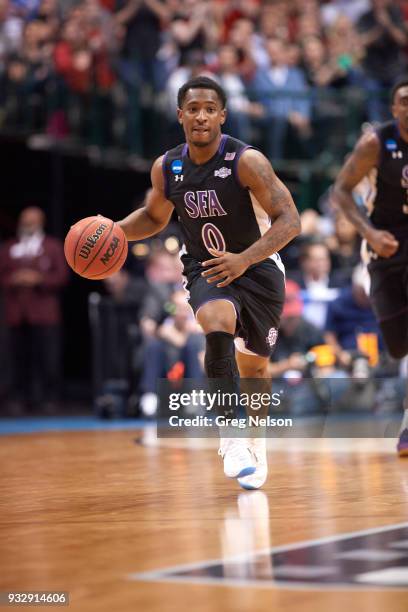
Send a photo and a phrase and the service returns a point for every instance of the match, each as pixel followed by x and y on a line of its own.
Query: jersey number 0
pixel 213 238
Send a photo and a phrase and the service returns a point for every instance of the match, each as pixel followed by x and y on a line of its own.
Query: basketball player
pixel 382 157
pixel 235 215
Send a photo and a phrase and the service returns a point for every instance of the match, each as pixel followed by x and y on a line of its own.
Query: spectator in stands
pixel 344 245
pixel 353 9
pixel 350 322
pixel 32 273
pixel 283 92
pixel 141 22
pixel 345 51
pixel 193 28
pixel 354 335
pixel 240 109
pixel 82 61
pixel 319 283
pixel 250 47
pixel 176 351
pixel 163 276
pixel 291 361
pixel 383 35
pixel 49 14
pixel 11 32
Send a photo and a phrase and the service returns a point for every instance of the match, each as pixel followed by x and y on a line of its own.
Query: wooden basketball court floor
pixel 126 522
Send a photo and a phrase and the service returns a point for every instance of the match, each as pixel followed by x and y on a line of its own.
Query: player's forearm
pixel 283 230
pixel 139 225
pixel 344 199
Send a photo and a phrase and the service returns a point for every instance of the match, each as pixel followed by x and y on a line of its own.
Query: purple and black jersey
pixel 214 209
pixel 388 196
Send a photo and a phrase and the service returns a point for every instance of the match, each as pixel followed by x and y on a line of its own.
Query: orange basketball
pixel 95 247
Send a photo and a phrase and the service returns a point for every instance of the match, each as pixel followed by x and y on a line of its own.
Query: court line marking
pixel 162 575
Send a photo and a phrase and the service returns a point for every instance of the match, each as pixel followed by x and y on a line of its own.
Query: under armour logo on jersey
pixel 396 155
pixel 272 336
pixel 222 172
pixel 179 177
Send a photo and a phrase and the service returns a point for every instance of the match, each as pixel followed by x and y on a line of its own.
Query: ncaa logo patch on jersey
pixel 177 166
pixel 222 172
pixel 391 145
pixel 272 336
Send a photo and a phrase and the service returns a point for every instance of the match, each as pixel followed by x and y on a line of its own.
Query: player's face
pixel 400 107
pixel 202 116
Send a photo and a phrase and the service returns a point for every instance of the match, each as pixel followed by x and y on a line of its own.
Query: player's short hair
pixel 403 82
pixel 201 82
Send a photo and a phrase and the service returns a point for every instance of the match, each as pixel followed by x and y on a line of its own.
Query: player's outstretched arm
pixel 256 173
pixel 155 214
pixel 364 158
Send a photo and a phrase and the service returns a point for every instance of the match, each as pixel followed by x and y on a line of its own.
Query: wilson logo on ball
pixel 110 251
pixel 87 247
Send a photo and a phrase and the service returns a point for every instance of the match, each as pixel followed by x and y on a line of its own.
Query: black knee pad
pixel 220 359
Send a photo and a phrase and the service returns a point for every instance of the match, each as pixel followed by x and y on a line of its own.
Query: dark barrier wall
pixel 67 188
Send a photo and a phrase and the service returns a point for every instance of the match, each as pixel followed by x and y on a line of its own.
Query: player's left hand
pixel 225 267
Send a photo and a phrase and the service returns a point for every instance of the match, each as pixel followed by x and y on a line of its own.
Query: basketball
pixel 95 247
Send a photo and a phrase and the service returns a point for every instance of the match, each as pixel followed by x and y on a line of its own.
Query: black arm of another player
pixel 256 173
pixel 364 157
pixel 156 212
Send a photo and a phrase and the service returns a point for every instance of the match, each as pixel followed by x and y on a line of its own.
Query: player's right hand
pixel 383 243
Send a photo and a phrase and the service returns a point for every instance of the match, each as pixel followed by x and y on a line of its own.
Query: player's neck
pixel 403 133
pixel 201 155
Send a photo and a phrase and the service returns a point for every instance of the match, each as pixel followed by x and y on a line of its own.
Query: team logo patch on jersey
pixel 177 166
pixel 272 336
pixel 230 156
pixel 391 145
pixel 222 172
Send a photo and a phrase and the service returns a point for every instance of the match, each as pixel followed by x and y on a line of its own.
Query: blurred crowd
pixel 293 69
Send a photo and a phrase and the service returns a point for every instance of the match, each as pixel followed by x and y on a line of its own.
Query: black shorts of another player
pixel 389 283
pixel 258 296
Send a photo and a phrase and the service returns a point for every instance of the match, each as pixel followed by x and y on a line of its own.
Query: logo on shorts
pixel 404 179
pixel 272 336
pixel 177 166
pixel 222 172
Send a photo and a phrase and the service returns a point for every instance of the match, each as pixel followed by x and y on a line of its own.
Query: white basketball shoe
pixel 238 460
pixel 255 480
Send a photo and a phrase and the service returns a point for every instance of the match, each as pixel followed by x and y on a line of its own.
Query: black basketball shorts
pixel 257 297
pixel 389 283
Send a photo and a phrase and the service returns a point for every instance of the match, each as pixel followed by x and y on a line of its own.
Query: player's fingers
pixel 213 270
pixel 216 253
pixel 217 277
pixel 211 262
pixel 389 238
pixel 226 282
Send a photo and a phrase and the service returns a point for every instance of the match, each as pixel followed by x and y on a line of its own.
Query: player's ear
pixel 223 116
pixel 180 116
pixel 393 111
